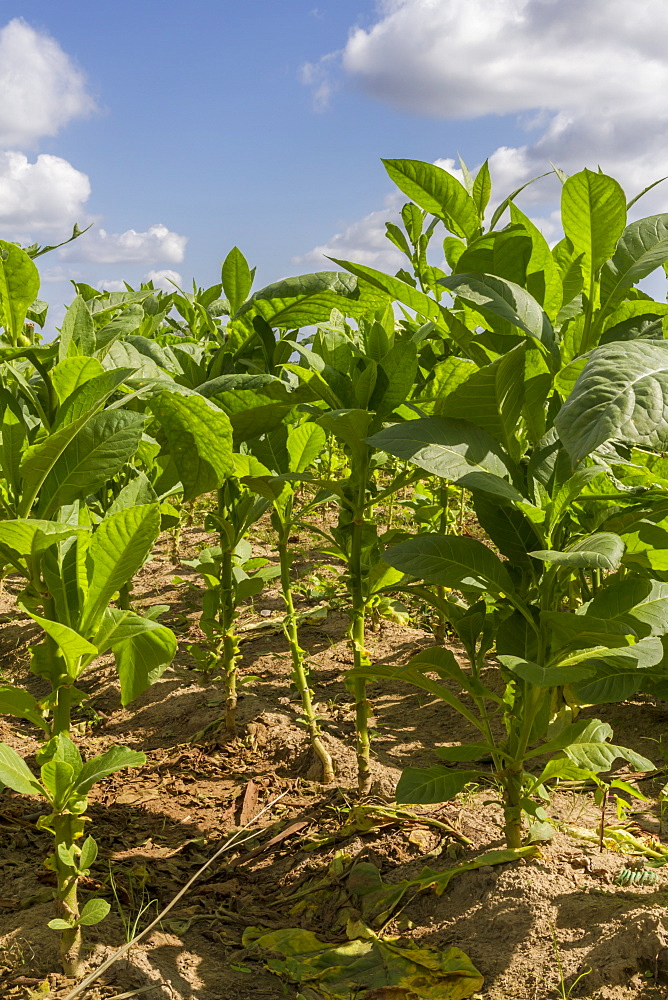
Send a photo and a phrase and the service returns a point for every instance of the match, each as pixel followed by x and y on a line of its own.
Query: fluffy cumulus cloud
pixel 157 244
pixel 41 195
pixel 46 196
pixel 42 90
pixel 587 79
pixel 363 241
pixel 164 278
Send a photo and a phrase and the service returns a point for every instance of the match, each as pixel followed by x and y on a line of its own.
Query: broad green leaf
pixel 72 645
pixel 114 759
pixel 19 286
pixel 545 677
pixel 425 785
pixel 603 550
pixel 593 213
pixel 58 778
pixel 90 395
pixel 572 631
pixel 621 396
pixel 636 602
pixel 72 372
pixel 647 545
pixel 237 279
pixel 309 298
pixel 642 247
pixel 438 192
pixel 504 254
pixel 142 648
pixel 118 549
pixel 444 447
pixel 492 398
pixel 137 491
pixel 304 443
pixel 32 536
pixel 450 561
pixel 395 378
pixel 88 853
pixel 92 457
pixel 543 280
pixel 200 441
pixel 619 673
pixel 77 334
pixel 15 773
pixel 94 911
pixel 13 436
pixel 509 529
pixel 591 751
pixel 505 299
pixel 15 701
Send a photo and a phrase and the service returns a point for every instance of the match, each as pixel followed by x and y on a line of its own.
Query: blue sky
pixel 183 129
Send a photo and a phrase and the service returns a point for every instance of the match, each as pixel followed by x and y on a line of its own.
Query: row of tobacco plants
pixel 533 378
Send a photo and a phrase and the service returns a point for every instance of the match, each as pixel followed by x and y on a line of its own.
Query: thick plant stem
pixel 299 673
pixel 67 903
pixel 360 655
pixel 230 643
pixel 62 710
pixel 512 808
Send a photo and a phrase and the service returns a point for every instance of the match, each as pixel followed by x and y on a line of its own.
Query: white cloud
pixel 156 244
pixel 584 78
pixel 363 241
pixel 41 88
pixel 165 279
pixel 45 196
pixel 110 285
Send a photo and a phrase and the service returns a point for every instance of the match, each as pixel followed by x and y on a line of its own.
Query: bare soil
pixel 526 925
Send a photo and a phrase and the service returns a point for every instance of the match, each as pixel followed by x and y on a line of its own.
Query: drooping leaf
pixel 642 247
pixel 450 561
pixel 621 396
pixel 15 773
pixel 603 550
pixel 200 441
pixel 426 785
pixel 443 447
pixel 142 648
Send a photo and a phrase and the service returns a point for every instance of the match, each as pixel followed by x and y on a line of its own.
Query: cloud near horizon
pixel 585 78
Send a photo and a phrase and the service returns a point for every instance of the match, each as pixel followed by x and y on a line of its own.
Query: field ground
pixel 156 826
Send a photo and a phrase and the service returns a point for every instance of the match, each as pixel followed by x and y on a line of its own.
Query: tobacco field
pixel 334 619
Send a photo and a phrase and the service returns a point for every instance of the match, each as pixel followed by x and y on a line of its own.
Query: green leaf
pixel 505 299
pixel 88 853
pixel 602 550
pixel 19 286
pixel 15 701
pixel 72 645
pixel 58 778
pixel 436 191
pixel 94 912
pixel 96 453
pixel 237 279
pixel 58 924
pixel 619 673
pixel 30 536
pixel 642 247
pixel 593 213
pixel 543 279
pixel 118 549
pixel 309 298
pixel 545 677
pixel 590 751
pixel 443 447
pixel 77 334
pixel 304 444
pixel 636 602
pixel 482 189
pixel 492 398
pixel 621 396
pixel 90 395
pixel 15 773
pixel 200 441
pixel 72 372
pixel 114 759
pixel 425 785
pixel 572 631
pixel 143 649
pixel 450 562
